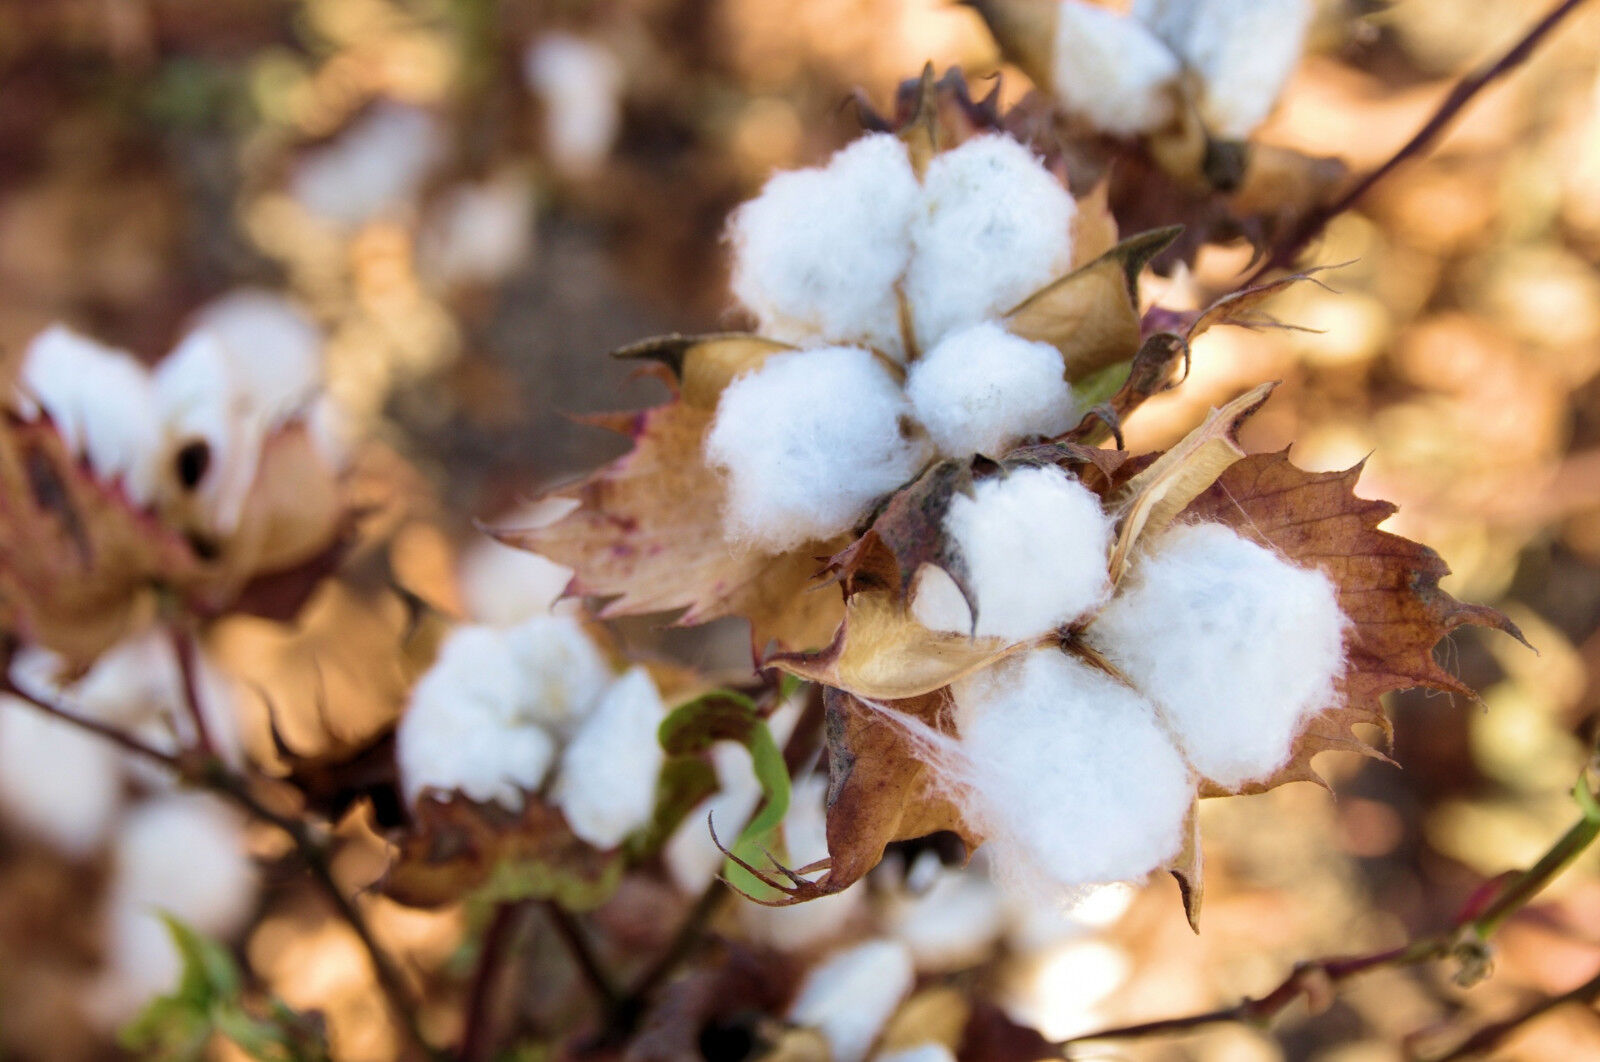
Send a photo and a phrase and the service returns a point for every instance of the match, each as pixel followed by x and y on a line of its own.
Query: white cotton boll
pixel 1035 543
pixel 274 351
pixel 1243 50
pixel 1237 646
pixel 808 442
pixel 374 166
pixel 201 400
pixel 952 923
pixel 1068 773
pixel 607 785
pixel 993 226
pixel 580 84
pixel 1111 70
pixel 563 666
pixel 982 390
pixel 100 401
pixel 818 252
pixel 56 781
pixel 920 1053
pixel 502 585
pixel 478 233
pixel 182 854
pixel 461 730
pixel 851 996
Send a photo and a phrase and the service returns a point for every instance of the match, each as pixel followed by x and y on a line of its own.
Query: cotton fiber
pixel 101 403
pixel 375 166
pixel 461 730
pixel 1238 647
pixel 982 390
pixel 1034 542
pixel 993 226
pixel 1110 69
pixel 952 923
pixel 1068 772
pixel 607 783
pixel 57 781
pixel 561 668
pixel 1243 50
pixel 818 252
pixel 580 84
pixel 808 442
pixel 851 996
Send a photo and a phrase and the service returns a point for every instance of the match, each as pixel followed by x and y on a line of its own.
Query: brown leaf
pixel 704 365
pixel 1388 587
pixel 1187 868
pixel 879 791
pixel 77 558
pixel 647 533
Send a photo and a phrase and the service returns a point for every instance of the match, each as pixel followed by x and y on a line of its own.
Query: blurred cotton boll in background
pixel 376 166
pixel 851 995
pixel 478 232
pixel 579 84
pixel 56 781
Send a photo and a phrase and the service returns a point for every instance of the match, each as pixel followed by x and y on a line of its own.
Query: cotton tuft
pixel 57 781
pixel 580 84
pixel 1243 50
pixel 808 442
pixel 993 226
pixel 1035 543
pixel 607 783
pixel 851 996
pixel 1238 647
pixel 375 166
pixel 1110 69
pixel 982 390
pixel 557 659
pixel 1068 772
pixel 952 923
pixel 818 252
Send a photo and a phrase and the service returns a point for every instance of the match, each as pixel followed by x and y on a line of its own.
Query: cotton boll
pixel 851 996
pixel 273 350
pixel 56 781
pixel 1243 50
pixel 376 165
pixel 818 252
pixel 1110 69
pixel 607 784
pixel 503 586
pixel 461 731
pixel 562 665
pixel 808 442
pixel 580 85
pixel 952 923
pixel 993 226
pixel 182 854
pixel 1237 646
pixel 982 389
pixel 1035 543
pixel 1068 773
pixel 478 233
pixel 920 1053
pixel 101 403
pixel 805 837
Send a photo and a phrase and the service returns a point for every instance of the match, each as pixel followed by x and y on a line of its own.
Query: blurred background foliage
pixel 477 199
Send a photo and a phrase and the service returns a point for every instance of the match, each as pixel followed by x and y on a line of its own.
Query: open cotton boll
pixel 1068 772
pixel 993 226
pixel 56 781
pixel 1243 50
pixel 1035 544
pixel 579 83
pixel 101 403
pixel 607 785
pixel 1111 70
pixel 479 232
pixel 182 854
pixel 377 164
pixel 851 996
pixel 273 350
pixel 563 666
pixel 982 389
pixel 808 442
pixel 1237 646
pixel 818 252
pixel 462 730
pixel 952 923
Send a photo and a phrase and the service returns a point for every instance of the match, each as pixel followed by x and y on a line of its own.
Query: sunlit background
pixel 476 200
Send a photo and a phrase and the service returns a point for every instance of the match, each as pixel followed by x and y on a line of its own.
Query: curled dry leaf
pixel 647 533
pixel 77 557
pixel 705 365
pixel 1387 586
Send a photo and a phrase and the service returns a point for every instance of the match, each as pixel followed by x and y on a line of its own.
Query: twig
pixel 477 1033
pixel 582 952
pixel 1491 1036
pixel 183 648
pixel 684 942
pixel 1313 222
pixel 117 736
pixel 1467 941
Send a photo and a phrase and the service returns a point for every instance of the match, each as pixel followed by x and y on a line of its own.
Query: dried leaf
pixel 1154 497
pixel 647 533
pixel 1187 868
pixel 704 365
pixel 1091 315
pixel 1094 228
pixel 1150 374
pixel 1388 587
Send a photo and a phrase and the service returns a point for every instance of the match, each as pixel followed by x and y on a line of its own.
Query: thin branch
pixel 477 1033
pixel 117 736
pixel 1312 224
pixel 582 952
pixel 689 935
pixel 1492 1035
pixel 183 648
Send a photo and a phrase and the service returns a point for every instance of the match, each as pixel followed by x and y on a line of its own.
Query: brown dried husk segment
pixel 647 533
pixel 1387 586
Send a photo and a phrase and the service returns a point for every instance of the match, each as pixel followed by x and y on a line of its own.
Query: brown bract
pixel 1388 587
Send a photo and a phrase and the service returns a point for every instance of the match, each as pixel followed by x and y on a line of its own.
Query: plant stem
pixel 183 648
pixel 683 943
pixel 477 1034
pixel 1491 1036
pixel 1312 224
pixel 582 952
pixel 117 736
